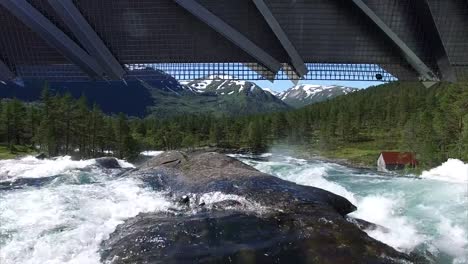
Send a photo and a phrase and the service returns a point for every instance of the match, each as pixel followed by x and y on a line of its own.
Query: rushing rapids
pixel 427 214
pixel 64 211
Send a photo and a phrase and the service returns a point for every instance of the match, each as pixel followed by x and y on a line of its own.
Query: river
pixel 59 211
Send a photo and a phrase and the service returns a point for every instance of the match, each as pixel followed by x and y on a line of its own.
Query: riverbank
pixel 16 152
pixel 356 156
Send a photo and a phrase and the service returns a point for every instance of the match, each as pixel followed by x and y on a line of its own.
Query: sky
pixel 282 85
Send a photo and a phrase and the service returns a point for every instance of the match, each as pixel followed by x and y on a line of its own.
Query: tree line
pixel 400 116
pixel 62 125
pixel 432 122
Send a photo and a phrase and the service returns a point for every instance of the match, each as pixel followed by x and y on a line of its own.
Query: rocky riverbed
pixel 260 219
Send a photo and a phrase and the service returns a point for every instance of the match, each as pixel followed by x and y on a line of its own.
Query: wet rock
pixel 226 204
pixel 20 183
pixel 166 159
pixel 41 156
pixel 423 257
pixel 288 223
pixel 108 163
pixel 184 200
pixel 365 225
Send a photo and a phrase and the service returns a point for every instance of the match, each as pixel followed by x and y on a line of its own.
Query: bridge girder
pixel 426 38
pixel 33 19
pixel 296 60
pixel 86 35
pixel 261 70
pixel 447 73
pixel 5 73
pixel 425 72
pixel 230 33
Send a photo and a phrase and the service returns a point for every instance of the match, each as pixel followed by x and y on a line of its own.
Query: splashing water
pixel 65 222
pixel 66 219
pixel 453 170
pixel 30 167
pixel 428 214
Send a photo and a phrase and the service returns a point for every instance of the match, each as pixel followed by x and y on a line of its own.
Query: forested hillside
pixel 433 122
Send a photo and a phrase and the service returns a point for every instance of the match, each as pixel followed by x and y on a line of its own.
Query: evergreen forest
pixel 399 116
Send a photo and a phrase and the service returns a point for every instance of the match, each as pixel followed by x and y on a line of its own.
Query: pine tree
pixel 47 133
pixel 81 126
pixel 96 128
pixel 255 136
pixel 67 113
pixel 464 138
pixel 126 146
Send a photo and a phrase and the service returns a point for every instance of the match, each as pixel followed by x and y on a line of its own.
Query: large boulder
pixel 263 219
pixel 108 163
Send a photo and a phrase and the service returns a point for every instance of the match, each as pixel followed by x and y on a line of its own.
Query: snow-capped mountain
pixel 241 97
pixel 230 86
pixel 296 96
pixel 305 94
pixel 275 93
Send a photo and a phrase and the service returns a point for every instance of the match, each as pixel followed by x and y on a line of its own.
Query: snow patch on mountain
pixel 221 77
pixel 201 85
pixel 304 94
pixel 297 96
pixel 275 93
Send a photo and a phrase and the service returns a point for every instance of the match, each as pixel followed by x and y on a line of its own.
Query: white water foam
pixel 125 164
pixel 30 167
pixel 151 153
pixel 452 170
pixel 66 223
pixel 304 174
pixel 396 230
pixel 380 210
pixel 384 201
pixel 453 240
pixel 212 198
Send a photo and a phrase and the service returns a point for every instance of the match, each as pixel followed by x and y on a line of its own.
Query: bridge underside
pixel 250 39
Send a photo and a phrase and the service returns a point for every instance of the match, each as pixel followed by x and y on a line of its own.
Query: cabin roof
pixel 403 158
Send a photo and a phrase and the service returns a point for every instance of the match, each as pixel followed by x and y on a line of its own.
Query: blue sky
pixel 280 86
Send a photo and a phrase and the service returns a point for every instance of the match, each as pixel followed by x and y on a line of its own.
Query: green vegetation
pixel 210 102
pixel 14 151
pixel 60 125
pixel 432 122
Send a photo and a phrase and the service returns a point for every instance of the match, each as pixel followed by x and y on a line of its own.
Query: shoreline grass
pixel 15 151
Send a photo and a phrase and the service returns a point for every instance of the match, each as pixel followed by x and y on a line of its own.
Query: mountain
pixel 306 94
pixel 297 96
pixel 275 93
pixel 147 91
pixel 236 96
pixel 228 86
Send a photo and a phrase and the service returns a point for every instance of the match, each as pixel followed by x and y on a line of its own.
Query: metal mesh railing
pixel 317 71
pixel 335 38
